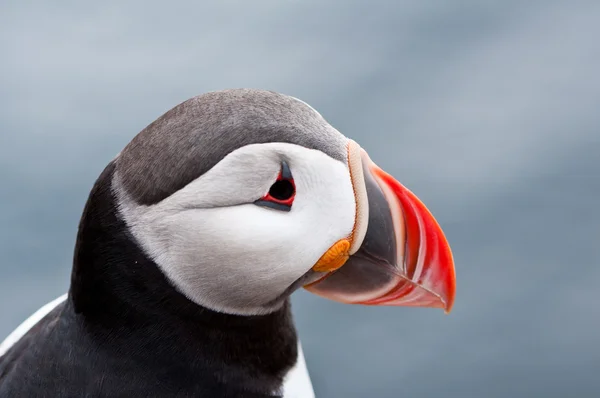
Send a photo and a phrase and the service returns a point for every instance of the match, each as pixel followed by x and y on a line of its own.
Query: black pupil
pixel 282 190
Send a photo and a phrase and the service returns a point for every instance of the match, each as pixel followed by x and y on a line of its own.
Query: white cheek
pixel 252 256
pixel 237 259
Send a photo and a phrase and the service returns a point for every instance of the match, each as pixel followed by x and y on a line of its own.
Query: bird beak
pixel 399 255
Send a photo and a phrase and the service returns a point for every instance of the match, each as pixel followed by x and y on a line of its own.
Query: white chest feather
pixel 23 328
pixel 297 383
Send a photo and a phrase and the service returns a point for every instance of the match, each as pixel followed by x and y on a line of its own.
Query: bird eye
pixel 282 192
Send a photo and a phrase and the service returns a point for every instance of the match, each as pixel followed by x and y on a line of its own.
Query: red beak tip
pixel 448 307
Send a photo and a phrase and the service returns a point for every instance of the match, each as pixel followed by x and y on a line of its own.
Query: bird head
pixel 241 197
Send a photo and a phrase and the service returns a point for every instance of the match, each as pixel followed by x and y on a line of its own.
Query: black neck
pixel 121 294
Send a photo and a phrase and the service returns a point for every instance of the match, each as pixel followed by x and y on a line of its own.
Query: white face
pixel 225 252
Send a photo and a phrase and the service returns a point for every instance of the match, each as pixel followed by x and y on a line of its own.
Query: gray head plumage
pixel 191 138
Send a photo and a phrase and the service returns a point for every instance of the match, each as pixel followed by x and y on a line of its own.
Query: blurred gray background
pixel 489 111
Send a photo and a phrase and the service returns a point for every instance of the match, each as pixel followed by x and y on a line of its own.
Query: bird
pixel 194 237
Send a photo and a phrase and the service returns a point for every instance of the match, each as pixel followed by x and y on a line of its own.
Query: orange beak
pixel 403 259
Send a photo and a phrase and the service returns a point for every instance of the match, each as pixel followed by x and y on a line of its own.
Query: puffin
pixel 194 237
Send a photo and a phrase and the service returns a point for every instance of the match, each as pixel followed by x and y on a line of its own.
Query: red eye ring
pixel 282 193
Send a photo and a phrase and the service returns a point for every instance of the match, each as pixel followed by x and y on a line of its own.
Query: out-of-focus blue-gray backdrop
pixel 489 111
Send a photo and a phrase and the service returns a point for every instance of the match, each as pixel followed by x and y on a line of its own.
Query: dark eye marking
pixel 282 193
